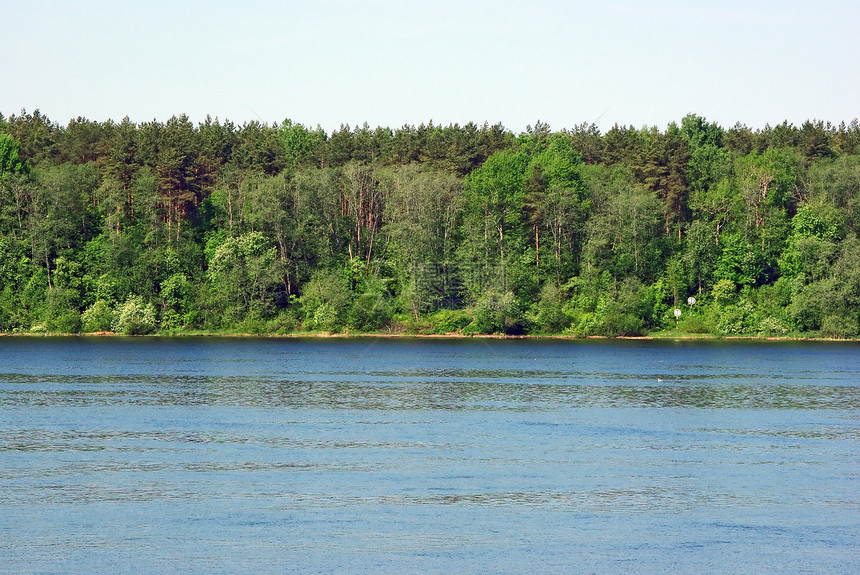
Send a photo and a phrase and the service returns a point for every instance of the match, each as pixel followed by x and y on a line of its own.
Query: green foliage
pixel 98 317
pixel 271 228
pixel 33 296
pixel 840 326
pixel 449 321
pixel 175 304
pixel 700 255
pixel 10 157
pixel 772 303
pixel 325 317
pixel 622 234
pixel 372 306
pixel 498 313
pixel 10 318
pixel 811 247
pixel 135 317
pixel 700 133
pixel 739 261
pixel 724 292
pixel 60 313
pixel 548 314
pixel 370 311
pixel 738 319
pixel 245 274
pixel 301 146
pixel 697 324
pixel 422 207
pixel 324 301
pixel 772 326
pixel 285 322
pixel 494 225
pixel 621 323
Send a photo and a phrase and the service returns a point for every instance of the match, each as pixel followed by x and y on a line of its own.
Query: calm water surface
pixel 399 456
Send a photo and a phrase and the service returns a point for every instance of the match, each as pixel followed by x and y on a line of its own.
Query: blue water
pixel 407 456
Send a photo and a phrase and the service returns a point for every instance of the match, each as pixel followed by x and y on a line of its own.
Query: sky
pixel 336 62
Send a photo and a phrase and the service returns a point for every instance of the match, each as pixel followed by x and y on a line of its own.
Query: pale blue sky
pixel 394 63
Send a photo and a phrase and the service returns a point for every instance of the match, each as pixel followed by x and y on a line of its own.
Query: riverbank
pixel 662 336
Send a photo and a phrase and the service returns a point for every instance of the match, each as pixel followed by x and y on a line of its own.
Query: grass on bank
pixel 428 329
pixel 492 318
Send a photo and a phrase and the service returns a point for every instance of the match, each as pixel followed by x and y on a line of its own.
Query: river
pixel 244 455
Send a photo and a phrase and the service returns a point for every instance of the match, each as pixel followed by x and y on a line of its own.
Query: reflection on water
pixel 387 456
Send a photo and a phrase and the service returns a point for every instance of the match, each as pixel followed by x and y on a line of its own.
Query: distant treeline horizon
pixel 274 228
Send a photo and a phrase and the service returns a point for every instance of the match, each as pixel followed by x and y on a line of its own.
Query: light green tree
pixel 135 317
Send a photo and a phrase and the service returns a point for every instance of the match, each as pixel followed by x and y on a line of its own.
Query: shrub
pixel 324 318
pixel 772 326
pixel 135 317
pixel 499 313
pixel 369 312
pixel 175 292
pixel 252 323
pixel 839 325
pixel 448 320
pixel 695 324
pixel 170 320
pixel 284 322
pixel 623 324
pixel 737 319
pixel 724 292
pixel 98 317
pixel 587 323
pixel 324 301
pixel 548 314
pixel 60 314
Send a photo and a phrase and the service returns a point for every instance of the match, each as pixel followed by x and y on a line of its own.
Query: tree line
pixel 276 228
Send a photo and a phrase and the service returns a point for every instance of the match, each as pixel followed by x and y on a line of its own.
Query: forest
pixel 171 227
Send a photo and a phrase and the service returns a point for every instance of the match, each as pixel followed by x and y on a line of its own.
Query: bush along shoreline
pixel 174 228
